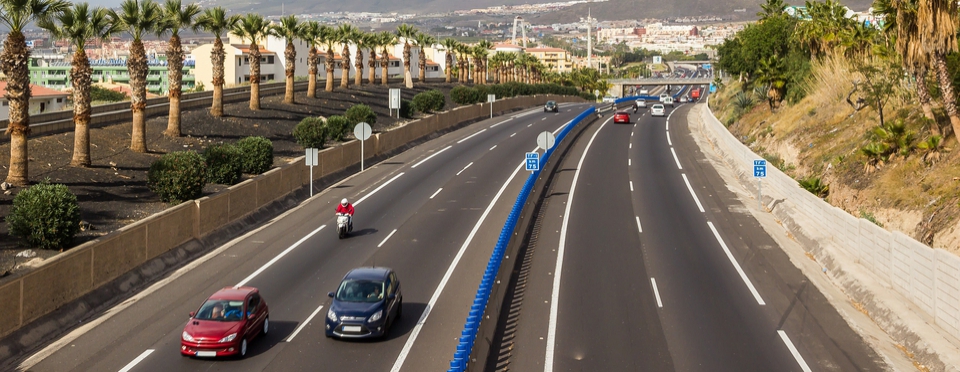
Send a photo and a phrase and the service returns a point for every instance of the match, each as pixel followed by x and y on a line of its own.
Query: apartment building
pixel 41 100
pixel 558 60
pixel 55 73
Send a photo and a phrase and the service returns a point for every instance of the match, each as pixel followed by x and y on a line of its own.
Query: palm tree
pixel 16 15
pixel 360 40
pixel 771 8
pixel 289 29
pixel 311 33
pixel 464 51
pixel 253 28
pixel 407 33
pixel 216 21
pixel 423 40
pixel 328 37
pixel 449 46
pixel 137 17
pixel 175 17
pixel 937 29
pixel 496 63
pixel 387 40
pixel 372 41
pixel 485 46
pixel 900 24
pixel 78 25
pixel 509 61
pixel 346 34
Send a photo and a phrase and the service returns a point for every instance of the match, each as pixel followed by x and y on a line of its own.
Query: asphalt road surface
pixel 647 262
pixel 433 214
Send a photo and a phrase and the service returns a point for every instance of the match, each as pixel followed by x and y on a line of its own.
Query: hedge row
pixel 464 95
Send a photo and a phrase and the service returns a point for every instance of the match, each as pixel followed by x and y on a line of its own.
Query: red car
pixel 621 117
pixel 225 323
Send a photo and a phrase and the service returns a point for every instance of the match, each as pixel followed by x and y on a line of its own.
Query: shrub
pixel 45 216
pixel 224 165
pixel 257 154
pixel 311 133
pixel 462 95
pixel 406 109
pixel 439 99
pixel 98 93
pixel 360 113
pixel 815 186
pixel 177 176
pixel 429 101
pixel 338 127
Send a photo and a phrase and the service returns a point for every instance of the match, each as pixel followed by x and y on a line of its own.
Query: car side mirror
pixel 193 314
pixel 330 294
pixel 392 296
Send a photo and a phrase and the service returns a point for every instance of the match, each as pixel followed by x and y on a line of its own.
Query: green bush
pixel 257 154
pixel 311 133
pixel 429 101
pixel 338 127
pixel 815 186
pixel 360 113
pixel 438 98
pixel 406 109
pixel 45 216
pixel 178 176
pixel 98 93
pixel 462 95
pixel 224 164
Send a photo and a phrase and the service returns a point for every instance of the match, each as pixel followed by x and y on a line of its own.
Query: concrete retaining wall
pixel 929 278
pixel 68 276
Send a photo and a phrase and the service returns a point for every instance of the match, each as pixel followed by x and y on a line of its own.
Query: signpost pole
pixel 759 194
pixel 311 181
pixel 361 154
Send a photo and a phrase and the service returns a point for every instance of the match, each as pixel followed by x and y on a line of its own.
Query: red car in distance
pixel 621 117
pixel 225 323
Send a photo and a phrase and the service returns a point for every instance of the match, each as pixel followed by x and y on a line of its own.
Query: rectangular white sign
pixel 394 99
pixel 312 157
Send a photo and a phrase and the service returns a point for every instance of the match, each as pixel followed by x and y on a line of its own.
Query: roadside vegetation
pixel 862 115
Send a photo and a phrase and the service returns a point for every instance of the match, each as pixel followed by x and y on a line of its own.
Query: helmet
pixel 343 202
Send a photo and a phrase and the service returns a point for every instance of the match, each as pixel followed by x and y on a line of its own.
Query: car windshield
pixel 551 103
pixel 360 291
pixel 221 310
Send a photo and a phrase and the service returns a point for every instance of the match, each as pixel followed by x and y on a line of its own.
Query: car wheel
pixel 266 326
pixel 243 348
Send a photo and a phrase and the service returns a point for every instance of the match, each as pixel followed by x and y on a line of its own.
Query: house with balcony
pixel 41 100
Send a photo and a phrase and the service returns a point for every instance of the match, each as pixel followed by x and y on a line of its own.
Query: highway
pixel 432 214
pixel 646 261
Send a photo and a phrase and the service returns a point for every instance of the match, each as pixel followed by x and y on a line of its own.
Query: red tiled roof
pixel 245 49
pixel 35 91
pixel 545 50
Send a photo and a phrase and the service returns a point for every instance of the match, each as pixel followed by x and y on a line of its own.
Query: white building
pixel 41 100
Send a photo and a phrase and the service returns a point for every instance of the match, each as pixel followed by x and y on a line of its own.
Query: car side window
pixel 395 283
pixel 252 304
pixel 388 285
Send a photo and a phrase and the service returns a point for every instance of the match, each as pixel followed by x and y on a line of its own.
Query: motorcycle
pixel 343 225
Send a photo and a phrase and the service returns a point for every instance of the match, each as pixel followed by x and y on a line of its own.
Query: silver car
pixel 641 103
pixel 658 110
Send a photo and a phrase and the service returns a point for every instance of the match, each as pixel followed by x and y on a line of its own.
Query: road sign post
pixel 545 140
pixel 760 172
pixel 395 101
pixel 533 161
pixel 311 159
pixel 362 131
pixel 491 98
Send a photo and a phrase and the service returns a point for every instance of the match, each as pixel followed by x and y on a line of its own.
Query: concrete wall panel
pixel 269 187
pixel 947 312
pixel 213 212
pixel 10 307
pixel 118 253
pixel 293 176
pixel 351 154
pixel 331 160
pixel 57 282
pixel 170 228
pixel 242 199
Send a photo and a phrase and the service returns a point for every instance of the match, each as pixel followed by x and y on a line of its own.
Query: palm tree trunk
pixel 13 62
pixel 345 67
pixel 312 73
pixel 384 66
pixel 217 56
pixel 80 79
pixel 407 79
pixel 924 96
pixel 423 65
pixel 137 66
pixel 254 76
pixel 289 70
pixel 329 64
pixel 372 64
pixel 949 96
pixel 175 78
pixel 358 63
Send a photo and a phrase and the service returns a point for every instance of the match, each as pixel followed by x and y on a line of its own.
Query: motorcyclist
pixel 346 208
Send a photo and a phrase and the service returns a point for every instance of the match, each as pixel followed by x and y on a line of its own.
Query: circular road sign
pixel 362 131
pixel 545 140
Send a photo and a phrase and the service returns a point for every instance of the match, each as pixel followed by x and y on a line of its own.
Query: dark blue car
pixel 366 304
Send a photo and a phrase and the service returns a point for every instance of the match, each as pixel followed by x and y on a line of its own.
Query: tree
pixel 881 76
pixel 423 40
pixel 254 29
pixel 937 27
pixel 78 25
pixel 372 41
pixel 407 33
pixel 216 21
pixel 311 33
pixel 174 18
pixel 449 46
pixel 464 51
pixel 387 40
pixel 772 8
pixel 289 29
pixel 16 15
pixel 328 37
pixel 137 17
pixel 900 24
pixel 361 41
pixel 346 34
pixel 483 50
pixel 772 74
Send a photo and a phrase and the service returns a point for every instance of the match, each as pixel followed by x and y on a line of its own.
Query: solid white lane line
pixel 631 145
pixel 388 237
pixel 656 292
pixel 465 168
pixel 690 188
pixel 675 158
pixel 494 146
pixel 377 189
pixel 736 265
pixel 279 256
pixel 631 186
pixel 134 362
pixel 471 136
pixel 446 276
pixel 668 123
pixel 669 142
pixel 431 156
pixel 304 324
pixel 629 162
pixel 514 134
pixel 435 194
pixel 501 122
pixel 555 296
pixel 639 228
pixel 793 350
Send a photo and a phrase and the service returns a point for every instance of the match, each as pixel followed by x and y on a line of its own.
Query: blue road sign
pixel 760 168
pixel 707 66
pixel 533 161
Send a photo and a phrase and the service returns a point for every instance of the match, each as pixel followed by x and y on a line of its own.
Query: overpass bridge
pixel 622 86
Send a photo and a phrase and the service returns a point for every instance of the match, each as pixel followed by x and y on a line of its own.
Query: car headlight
pixel 228 338
pixel 375 317
pixel 331 315
pixel 187 337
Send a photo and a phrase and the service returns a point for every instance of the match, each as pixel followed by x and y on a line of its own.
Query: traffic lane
pixel 710 316
pixel 821 335
pixel 269 244
pixel 608 316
